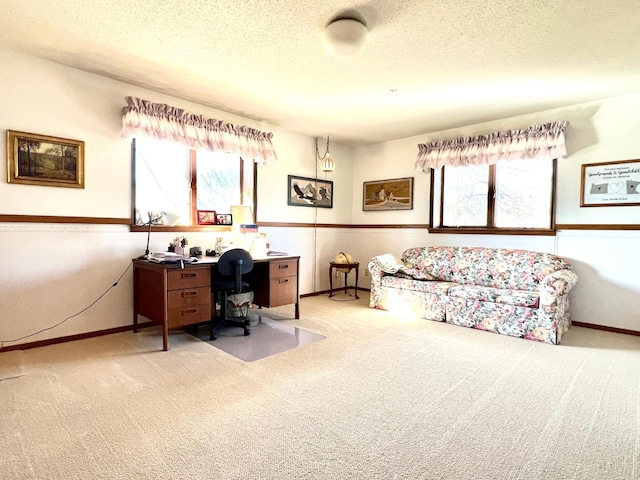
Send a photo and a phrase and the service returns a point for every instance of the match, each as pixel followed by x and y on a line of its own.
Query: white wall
pixel 51 271
pixel 607 262
pixel 297 157
pixel 42 98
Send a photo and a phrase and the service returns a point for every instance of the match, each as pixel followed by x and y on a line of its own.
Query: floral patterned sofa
pixel 513 292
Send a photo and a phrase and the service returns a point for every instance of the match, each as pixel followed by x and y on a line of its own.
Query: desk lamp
pixel 172 218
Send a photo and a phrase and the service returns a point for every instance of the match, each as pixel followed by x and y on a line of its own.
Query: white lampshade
pixel 345 37
pixel 328 165
pixel 172 218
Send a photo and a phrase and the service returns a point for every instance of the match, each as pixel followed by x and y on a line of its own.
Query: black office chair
pixel 232 265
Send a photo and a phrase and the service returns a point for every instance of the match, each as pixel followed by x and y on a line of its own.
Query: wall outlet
pixel 366 272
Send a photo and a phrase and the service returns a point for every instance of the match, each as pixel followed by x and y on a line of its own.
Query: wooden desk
pixel 172 296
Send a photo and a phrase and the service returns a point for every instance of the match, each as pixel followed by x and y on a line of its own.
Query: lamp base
pixel 144 256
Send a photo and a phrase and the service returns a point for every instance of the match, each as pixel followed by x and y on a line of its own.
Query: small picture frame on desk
pixel 225 219
pixel 207 217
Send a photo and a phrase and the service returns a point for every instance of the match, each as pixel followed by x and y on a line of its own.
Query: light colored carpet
pixel 379 398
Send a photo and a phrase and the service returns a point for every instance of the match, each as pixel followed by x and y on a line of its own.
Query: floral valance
pixel 164 122
pixel 536 141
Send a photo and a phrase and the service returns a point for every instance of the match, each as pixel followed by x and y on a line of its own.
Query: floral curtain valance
pixel 536 141
pixel 164 122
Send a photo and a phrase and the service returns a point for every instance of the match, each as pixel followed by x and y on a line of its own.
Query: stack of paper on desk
pixel 167 257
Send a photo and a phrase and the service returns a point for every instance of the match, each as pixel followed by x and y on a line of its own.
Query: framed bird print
pixel 309 192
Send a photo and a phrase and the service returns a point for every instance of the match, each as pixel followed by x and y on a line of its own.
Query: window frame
pixel 490 228
pixel 193 227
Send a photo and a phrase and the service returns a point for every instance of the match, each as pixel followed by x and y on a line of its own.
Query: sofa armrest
pixel 555 285
pixel 376 271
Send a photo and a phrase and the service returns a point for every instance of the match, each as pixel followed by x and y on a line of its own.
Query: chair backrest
pixel 235 263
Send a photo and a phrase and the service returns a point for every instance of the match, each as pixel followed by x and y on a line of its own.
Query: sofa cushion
pixel 390 264
pixel 518 298
pixel 416 285
pixel 417 257
pixel 412 273
pixel 490 267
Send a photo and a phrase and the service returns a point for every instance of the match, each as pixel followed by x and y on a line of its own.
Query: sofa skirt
pixel 512 320
pixel 412 303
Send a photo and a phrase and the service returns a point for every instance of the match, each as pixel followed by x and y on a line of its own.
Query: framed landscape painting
pixel 309 192
pixel 34 159
pixel 394 194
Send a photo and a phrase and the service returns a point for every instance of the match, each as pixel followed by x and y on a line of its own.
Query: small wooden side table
pixel 348 266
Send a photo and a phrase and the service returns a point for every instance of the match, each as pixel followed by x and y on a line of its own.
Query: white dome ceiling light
pixel 345 37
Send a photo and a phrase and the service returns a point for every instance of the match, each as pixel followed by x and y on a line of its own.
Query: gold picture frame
pixel 393 194
pixel 34 159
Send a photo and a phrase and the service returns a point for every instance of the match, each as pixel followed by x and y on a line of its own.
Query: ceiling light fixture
pixel 326 162
pixel 345 37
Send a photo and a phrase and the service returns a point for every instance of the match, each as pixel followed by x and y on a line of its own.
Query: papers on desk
pixel 273 253
pixel 168 257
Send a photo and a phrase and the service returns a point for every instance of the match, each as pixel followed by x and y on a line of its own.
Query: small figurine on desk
pixel 219 248
pixel 179 245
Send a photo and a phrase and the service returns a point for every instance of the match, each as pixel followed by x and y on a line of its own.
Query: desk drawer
pixel 188 297
pixel 179 317
pixel 282 269
pixel 283 291
pixel 188 278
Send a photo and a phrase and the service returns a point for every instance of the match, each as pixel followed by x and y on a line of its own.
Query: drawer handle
pixel 283 280
pixel 189 275
pixel 190 311
pixel 283 266
pixel 190 293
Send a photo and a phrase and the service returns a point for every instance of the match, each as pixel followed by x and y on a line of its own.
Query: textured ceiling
pixel 429 65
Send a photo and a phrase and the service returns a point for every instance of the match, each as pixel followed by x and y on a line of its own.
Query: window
pixel 508 197
pixel 169 177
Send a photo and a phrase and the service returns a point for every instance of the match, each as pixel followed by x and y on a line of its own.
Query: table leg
pixel 135 300
pixel 165 334
pixel 330 281
pixel 357 283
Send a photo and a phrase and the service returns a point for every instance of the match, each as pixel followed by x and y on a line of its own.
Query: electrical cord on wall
pixel 2 342
pixel 315 229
